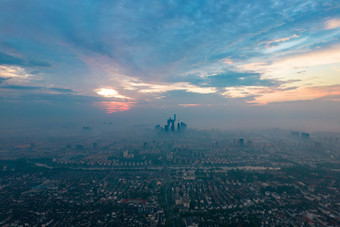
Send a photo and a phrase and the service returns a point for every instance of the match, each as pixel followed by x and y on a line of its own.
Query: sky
pixel 217 64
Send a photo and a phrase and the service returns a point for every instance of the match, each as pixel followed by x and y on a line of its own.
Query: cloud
pixel 3 79
pixel 61 90
pixel 218 78
pixel 18 87
pixel 6 59
pixel 302 93
pixel 230 79
pixel 37 63
pixel 145 50
pixel 161 88
pixel 228 61
pixel 189 105
pixel 264 95
pixel 246 91
pixel 313 58
pixel 284 46
pixel 316 64
pixel 7 71
pixel 332 24
pixel 284 39
pixel 162 39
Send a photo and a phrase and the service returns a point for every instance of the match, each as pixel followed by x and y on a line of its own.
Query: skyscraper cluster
pixel 302 135
pixel 171 125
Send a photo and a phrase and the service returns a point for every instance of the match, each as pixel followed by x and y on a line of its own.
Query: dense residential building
pixel 198 178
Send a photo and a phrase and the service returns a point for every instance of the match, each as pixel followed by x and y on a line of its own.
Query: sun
pixel 110 93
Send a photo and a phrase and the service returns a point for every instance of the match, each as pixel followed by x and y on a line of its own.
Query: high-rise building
pixel 172 126
pixel 183 125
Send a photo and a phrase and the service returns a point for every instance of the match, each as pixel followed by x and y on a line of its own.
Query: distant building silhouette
pixel 171 125
pixel 304 135
pixel 295 134
pixel 79 147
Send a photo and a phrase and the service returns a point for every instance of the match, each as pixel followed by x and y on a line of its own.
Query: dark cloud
pixel 68 98
pixel 38 63
pixel 6 59
pixel 229 79
pixel 3 80
pixel 18 87
pixel 61 90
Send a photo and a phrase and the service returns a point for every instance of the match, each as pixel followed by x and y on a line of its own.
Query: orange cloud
pixel 245 91
pixel 333 23
pixel 228 61
pixel 282 39
pixel 13 72
pixel 188 105
pixel 314 58
pixel 112 107
pixel 264 95
pixel 288 68
pixel 302 93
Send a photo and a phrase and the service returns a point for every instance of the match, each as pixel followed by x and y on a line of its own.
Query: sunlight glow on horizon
pixel 112 107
